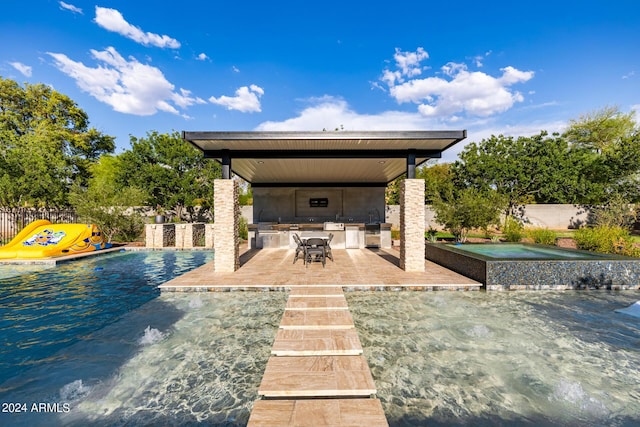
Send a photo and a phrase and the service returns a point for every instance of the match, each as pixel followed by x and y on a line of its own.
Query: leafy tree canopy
pixel 173 173
pixel 537 169
pixel 116 210
pixel 46 145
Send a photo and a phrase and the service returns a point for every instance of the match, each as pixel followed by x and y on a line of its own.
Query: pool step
pixel 317 374
pixel 318 412
pixel 316 303
pixel 316 291
pixel 317 319
pixel 323 342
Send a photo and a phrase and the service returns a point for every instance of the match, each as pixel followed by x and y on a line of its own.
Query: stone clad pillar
pixel 412 220
pixel 225 230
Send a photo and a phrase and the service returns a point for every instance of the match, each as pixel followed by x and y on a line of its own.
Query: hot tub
pixel 510 266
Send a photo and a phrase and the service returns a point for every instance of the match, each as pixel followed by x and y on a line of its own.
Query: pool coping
pixel 60 259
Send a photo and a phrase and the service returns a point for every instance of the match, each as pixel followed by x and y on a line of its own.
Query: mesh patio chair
pixel 300 249
pixel 328 247
pixel 316 251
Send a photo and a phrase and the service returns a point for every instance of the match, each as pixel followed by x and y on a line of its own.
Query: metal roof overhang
pixel 307 158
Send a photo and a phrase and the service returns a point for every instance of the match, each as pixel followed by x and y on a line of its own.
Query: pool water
pixel 520 251
pixel 438 359
pixel 44 311
pixel 507 359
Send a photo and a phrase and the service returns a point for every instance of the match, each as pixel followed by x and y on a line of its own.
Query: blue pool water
pixel 197 359
pixel 522 251
pixel 44 311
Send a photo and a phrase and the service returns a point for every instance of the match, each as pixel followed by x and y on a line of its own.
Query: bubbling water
pixel 151 336
pixel 74 391
pixel 509 359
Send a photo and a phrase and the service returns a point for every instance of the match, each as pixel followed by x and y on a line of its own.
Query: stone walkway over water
pixel 317 375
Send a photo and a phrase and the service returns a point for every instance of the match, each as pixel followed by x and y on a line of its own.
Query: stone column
pixel 208 236
pixel 181 234
pixel 225 231
pixel 154 236
pixel 412 218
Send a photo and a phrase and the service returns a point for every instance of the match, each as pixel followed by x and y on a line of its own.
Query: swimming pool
pixel 438 358
pixel 45 310
pixel 512 266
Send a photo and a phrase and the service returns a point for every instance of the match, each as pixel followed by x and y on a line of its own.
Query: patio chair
pixel 300 249
pixel 315 251
pixel 328 247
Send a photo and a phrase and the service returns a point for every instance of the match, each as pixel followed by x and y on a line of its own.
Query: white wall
pixel 556 217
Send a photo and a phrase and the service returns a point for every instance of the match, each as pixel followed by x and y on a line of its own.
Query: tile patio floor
pixel 354 269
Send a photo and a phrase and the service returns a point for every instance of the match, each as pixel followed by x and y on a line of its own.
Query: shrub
pixel 469 209
pixel 606 239
pixel 513 229
pixel 542 236
pixel 618 212
pixel 243 228
pixel 395 233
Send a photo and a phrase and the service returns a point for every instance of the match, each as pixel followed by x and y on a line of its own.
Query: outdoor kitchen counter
pixel 274 235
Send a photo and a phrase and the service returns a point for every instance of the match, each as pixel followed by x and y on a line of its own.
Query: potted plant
pixel 160 218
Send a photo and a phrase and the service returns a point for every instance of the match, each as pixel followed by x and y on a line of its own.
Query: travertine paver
pixel 316 291
pixel 353 268
pixel 316 319
pixel 317 356
pixel 317 376
pixel 316 303
pixel 318 413
pixel 324 342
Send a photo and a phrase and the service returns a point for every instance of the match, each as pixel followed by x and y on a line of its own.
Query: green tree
pixel 175 175
pixel 468 209
pixel 45 145
pixel 392 192
pixel 609 143
pixel 245 198
pixel 601 129
pixel 438 181
pixel 116 210
pixel 537 169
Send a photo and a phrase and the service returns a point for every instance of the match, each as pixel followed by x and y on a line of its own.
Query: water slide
pixel 42 239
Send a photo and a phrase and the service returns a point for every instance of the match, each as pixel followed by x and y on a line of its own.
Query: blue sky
pixel 498 67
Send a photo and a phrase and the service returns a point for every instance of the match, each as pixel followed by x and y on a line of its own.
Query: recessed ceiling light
pixel 382 162
pixel 260 162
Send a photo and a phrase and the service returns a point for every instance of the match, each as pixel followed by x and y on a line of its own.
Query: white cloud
pixel 235 69
pixel 112 20
pixel 202 57
pixel 461 91
pixel 126 85
pixel 330 112
pixel 24 69
pixel 408 64
pixel 247 100
pixel 70 7
pixel 478 59
pixel 629 75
